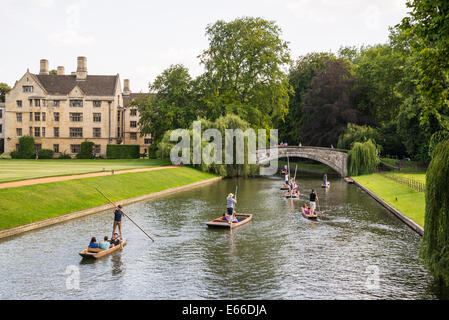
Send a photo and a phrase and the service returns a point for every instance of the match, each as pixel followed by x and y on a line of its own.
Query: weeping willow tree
pixel 435 245
pixel 362 158
pixel 225 170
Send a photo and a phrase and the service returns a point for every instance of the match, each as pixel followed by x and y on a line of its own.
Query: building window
pixel 118 115
pixel 55 103
pixel 1 128
pixel 43 116
pixel 118 131
pixel 37 116
pixel 97 104
pixel 19 132
pixel 44 103
pixel 133 135
pixel 56 132
pixel 133 124
pixel 97 117
pixel 76 132
pixel 56 148
pixel 37 147
pixel 76 117
pixel 1 113
pixel 75 148
pixel 37 103
pixel 19 117
pixel 37 131
pixel 76 103
pixel 147 141
pixel 19 103
pixel 17 147
pixel 97 148
pixel 31 116
pixel 97 132
pixel 31 102
pixel 31 131
pixel 56 115
pixel 43 132
pixel 27 88
pixel 133 112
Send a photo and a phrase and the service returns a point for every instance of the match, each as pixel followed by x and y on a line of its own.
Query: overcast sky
pixel 139 39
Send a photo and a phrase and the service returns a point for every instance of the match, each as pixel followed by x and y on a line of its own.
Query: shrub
pixel 64 156
pixel 26 148
pixel 15 155
pixel 6 155
pixel 362 158
pixel 86 151
pixel 122 151
pixel 45 154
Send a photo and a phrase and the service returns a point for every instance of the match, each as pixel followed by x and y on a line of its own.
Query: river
pixel 356 250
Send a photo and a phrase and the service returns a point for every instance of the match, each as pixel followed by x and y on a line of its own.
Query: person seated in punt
pixel 115 241
pixel 105 244
pixel 93 243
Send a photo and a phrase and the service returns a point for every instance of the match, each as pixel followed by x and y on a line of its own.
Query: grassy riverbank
pixel 24 205
pixel 409 202
pixel 21 169
pixel 302 165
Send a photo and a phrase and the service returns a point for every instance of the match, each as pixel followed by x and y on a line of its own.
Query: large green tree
pixel 4 89
pixel 244 71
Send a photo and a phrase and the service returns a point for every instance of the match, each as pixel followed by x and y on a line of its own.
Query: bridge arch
pixel 333 158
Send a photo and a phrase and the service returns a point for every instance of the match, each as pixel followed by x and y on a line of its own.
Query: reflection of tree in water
pixel 117 263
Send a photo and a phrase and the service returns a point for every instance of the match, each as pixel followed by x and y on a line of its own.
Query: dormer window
pixel 76 103
pixel 97 103
pixel 27 88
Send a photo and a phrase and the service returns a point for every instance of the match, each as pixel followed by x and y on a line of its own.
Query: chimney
pixel 44 66
pixel 126 90
pixel 81 70
pixel 60 71
pixel 73 73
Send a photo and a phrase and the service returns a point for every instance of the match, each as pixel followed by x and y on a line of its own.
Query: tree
pixel 244 71
pixel 171 105
pixel 362 158
pixel 330 104
pixel 428 28
pixel 300 77
pixel 355 133
pixel 4 89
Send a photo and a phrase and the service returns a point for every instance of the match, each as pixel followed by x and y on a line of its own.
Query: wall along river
pixel 356 250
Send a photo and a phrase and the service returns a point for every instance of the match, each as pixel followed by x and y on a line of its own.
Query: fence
pixel 411 183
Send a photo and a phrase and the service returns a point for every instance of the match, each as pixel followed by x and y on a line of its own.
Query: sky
pixel 139 39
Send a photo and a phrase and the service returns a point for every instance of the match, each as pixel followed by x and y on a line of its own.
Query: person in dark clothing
pixel 115 241
pixel 118 213
pixel 312 201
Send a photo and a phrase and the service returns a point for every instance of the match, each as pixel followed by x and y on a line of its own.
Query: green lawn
pixel 321 168
pixel 420 177
pixel 409 202
pixel 23 205
pixel 19 169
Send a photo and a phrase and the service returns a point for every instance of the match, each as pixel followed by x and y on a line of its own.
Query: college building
pixel 60 111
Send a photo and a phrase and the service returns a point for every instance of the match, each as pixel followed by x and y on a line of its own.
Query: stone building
pixel 60 111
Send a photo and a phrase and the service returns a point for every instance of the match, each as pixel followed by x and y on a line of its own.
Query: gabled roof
pixel 128 98
pixel 93 85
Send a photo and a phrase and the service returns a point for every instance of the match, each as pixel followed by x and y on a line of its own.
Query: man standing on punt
pixel 312 200
pixel 118 213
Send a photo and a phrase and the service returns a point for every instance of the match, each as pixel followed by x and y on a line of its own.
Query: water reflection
pixel 278 255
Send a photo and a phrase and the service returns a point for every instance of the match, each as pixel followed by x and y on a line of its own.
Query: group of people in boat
pixel 106 243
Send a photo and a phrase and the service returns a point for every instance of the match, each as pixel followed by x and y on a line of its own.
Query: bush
pixel 64 156
pixel 26 148
pixel 362 158
pixel 6 155
pixel 15 155
pixel 86 151
pixel 122 151
pixel 45 154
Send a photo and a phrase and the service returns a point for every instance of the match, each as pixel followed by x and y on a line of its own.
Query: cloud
pixel 44 3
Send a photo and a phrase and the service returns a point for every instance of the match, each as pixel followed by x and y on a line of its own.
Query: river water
pixel 356 250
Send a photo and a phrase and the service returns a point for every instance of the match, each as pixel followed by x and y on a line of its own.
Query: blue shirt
pixel 117 215
pixel 93 245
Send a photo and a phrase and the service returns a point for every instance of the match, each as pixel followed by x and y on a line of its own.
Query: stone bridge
pixel 333 158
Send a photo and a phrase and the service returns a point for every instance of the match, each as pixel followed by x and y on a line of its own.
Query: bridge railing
pixel 311 147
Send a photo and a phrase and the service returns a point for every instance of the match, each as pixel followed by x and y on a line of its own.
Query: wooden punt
pixel 98 253
pixel 308 216
pixel 349 180
pixel 285 188
pixel 294 196
pixel 219 223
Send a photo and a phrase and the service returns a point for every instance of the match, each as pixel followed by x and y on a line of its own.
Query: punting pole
pixel 124 214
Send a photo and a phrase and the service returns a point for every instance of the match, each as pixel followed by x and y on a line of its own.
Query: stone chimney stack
pixel 44 67
pixel 126 89
pixel 81 70
pixel 60 70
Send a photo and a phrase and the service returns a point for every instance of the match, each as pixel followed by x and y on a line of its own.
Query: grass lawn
pixel 21 169
pixel 24 205
pixel 409 202
pixel 420 177
pixel 321 168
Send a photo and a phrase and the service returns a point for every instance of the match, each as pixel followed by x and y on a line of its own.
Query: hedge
pixel 122 151
pixel 86 151
pixel 26 148
pixel 45 154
